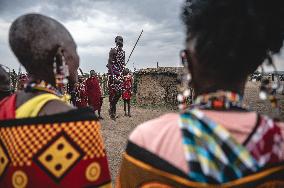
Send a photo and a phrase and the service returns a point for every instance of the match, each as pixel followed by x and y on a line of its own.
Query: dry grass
pixel 115 133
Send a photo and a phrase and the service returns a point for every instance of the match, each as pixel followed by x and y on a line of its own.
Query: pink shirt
pixel 162 136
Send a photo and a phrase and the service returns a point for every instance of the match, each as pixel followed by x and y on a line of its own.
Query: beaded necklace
pixel 42 86
pixel 220 100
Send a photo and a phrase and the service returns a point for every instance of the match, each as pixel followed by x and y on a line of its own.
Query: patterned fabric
pixel 30 108
pixel 266 142
pixel 81 96
pixel 211 152
pixel 220 100
pixel 127 87
pixel 49 151
pixel 142 168
pixel 118 63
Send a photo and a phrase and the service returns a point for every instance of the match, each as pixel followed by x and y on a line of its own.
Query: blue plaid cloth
pixel 212 154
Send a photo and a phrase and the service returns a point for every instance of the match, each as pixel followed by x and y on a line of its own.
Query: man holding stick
pixel 116 64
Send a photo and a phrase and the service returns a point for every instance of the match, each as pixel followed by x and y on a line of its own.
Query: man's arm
pixel 124 58
pixel 110 58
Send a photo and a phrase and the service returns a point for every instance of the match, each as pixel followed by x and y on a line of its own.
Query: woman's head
pixel 36 40
pixel 229 39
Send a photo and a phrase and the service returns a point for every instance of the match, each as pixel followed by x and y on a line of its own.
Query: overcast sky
pixel 95 23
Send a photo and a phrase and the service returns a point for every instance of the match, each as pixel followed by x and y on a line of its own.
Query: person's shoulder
pixel 279 123
pixel 160 125
pixel 160 121
pixel 55 107
pixel 112 50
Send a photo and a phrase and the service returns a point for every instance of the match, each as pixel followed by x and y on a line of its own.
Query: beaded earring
pixel 186 93
pixel 61 72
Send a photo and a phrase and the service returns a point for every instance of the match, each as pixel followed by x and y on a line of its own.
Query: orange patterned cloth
pixel 64 150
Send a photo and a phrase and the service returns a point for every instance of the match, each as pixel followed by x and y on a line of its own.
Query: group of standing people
pixel 120 79
pixel 218 142
pixel 88 92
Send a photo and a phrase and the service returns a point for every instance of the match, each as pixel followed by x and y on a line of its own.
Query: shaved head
pixel 35 39
pixel 92 72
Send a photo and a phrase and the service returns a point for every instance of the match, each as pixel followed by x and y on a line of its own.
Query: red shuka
pixel 94 92
pixel 127 86
pixel 8 107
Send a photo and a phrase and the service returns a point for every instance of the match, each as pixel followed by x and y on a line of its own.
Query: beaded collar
pixel 42 86
pixel 221 100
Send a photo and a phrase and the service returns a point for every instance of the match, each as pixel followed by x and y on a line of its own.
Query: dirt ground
pixel 263 107
pixel 115 133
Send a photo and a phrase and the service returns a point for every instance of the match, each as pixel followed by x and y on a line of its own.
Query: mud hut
pixel 157 86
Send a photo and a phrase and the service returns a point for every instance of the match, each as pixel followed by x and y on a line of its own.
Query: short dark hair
pixel 234 37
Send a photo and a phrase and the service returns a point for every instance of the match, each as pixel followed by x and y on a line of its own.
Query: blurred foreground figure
pixel 116 64
pixel 5 84
pixel 94 93
pixel 219 141
pixel 44 142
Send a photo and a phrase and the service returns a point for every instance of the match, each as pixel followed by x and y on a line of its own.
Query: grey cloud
pixel 95 23
pixel 162 17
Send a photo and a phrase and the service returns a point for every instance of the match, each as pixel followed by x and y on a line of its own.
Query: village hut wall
pixel 157 86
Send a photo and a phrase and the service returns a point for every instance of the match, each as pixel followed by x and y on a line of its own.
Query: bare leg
pixel 124 102
pixel 113 105
pixel 100 108
pixel 128 103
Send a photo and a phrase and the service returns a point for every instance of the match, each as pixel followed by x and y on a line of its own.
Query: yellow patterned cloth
pixel 64 150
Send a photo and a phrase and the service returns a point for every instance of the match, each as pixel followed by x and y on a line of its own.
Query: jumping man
pixel 116 64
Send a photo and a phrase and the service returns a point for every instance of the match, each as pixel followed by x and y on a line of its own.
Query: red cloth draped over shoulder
pixel 94 92
pixel 8 107
pixel 127 87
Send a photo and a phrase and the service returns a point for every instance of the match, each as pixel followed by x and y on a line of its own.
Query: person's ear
pixel 191 55
pixel 60 68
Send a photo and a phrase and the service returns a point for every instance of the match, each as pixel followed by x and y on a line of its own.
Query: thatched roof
pixel 161 70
